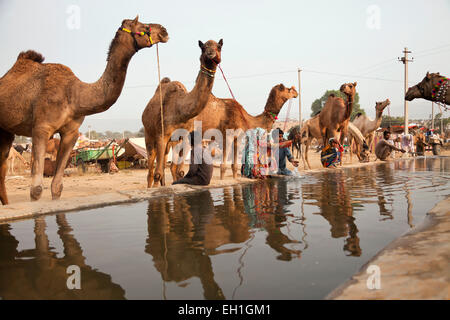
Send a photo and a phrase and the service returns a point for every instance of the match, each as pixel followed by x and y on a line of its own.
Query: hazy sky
pixel 264 44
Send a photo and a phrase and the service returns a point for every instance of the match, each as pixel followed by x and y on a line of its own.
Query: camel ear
pixel 200 44
pixel 428 75
pixel 136 20
pixel 221 43
pixel 354 84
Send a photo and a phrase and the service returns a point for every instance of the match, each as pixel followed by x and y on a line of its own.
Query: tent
pixel 134 150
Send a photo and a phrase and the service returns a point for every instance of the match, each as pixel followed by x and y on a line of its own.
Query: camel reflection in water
pixel 332 196
pixel 39 274
pixel 184 232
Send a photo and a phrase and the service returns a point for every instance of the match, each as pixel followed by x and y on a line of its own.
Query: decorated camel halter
pixel 439 92
pixel 208 72
pixel 272 115
pixel 142 33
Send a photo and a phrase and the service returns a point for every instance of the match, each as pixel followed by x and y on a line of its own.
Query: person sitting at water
pixel 383 148
pixel 283 153
pixel 331 154
pixel 201 167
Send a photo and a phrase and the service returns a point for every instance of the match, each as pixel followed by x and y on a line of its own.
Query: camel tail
pixel 31 55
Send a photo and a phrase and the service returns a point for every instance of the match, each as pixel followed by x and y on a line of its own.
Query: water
pixel 278 239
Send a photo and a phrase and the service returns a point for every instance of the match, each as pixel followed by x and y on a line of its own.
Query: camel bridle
pixel 439 92
pixel 142 33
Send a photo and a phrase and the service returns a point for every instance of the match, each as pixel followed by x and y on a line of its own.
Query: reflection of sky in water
pixel 277 239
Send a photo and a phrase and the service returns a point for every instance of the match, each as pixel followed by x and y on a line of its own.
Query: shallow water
pixel 278 239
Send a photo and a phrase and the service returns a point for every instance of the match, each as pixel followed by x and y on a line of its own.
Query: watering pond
pixel 276 239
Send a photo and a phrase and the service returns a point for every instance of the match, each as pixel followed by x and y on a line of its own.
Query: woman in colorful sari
pixel 331 154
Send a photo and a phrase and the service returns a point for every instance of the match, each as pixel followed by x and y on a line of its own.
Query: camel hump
pixel 165 80
pixel 31 55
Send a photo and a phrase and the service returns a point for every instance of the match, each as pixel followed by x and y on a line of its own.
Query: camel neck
pixel 266 119
pixel 101 95
pixel 350 98
pixel 199 96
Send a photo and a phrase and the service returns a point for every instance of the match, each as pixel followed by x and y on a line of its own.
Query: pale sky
pixel 334 42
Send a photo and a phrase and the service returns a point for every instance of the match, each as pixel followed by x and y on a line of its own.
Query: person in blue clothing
pixel 283 153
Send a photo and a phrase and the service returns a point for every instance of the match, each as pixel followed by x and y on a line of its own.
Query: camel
pixel 13 155
pixel 311 130
pixel 53 100
pixel 432 88
pixel 52 147
pixel 368 126
pixel 179 106
pixel 335 114
pixel 225 114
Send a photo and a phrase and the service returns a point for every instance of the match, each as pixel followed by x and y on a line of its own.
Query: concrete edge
pixel 430 220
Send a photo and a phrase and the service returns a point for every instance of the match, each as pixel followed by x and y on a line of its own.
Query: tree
pixel 387 121
pixel 318 104
pixel 140 133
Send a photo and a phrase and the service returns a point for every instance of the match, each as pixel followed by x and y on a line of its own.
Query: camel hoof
pixel 35 193
pixel 156 179
pixel 56 192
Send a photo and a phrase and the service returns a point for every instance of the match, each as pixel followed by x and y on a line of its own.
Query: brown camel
pixel 40 99
pixel 13 155
pixel 179 107
pixel 311 130
pixel 53 147
pixel 226 114
pixel 368 126
pixel 335 114
pixel 424 89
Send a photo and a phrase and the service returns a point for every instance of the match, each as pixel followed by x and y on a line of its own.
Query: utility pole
pixel 432 115
pixel 299 100
pixel 405 61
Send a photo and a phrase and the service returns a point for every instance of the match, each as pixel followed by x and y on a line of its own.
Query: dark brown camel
pixel 424 89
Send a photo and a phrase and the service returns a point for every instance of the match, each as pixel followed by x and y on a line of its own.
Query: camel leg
pixel 179 172
pixel 234 165
pixel 40 138
pixel 158 177
pixel 151 156
pixel 66 145
pixel 308 142
pixel 6 140
pixel 350 145
pixel 223 167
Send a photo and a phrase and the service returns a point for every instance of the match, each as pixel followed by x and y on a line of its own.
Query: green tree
pixel 387 121
pixel 318 104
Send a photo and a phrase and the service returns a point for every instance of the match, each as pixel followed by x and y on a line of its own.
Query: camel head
pixel 211 53
pixel 348 88
pixel 282 94
pixel 423 88
pixel 142 35
pixel 379 106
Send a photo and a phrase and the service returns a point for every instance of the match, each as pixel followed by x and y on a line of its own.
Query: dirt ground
pixel 92 182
